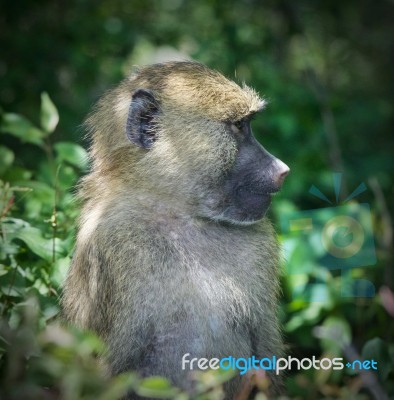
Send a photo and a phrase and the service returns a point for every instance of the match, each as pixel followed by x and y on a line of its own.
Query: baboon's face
pixel 254 176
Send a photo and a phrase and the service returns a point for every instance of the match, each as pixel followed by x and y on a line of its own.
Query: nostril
pixel 283 171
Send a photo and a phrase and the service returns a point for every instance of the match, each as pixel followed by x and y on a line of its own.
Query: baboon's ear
pixel 140 127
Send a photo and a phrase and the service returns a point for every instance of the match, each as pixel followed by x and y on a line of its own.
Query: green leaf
pixel 13 283
pixel 376 349
pixel 60 271
pixel 6 159
pixel 308 316
pixel 157 387
pixel 49 114
pixel 21 128
pixel 41 189
pixel 72 153
pixel 32 237
pixel 3 270
pixel 335 334
pixel 119 386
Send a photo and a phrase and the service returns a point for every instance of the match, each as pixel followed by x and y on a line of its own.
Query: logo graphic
pixel 337 238
pixel 243 365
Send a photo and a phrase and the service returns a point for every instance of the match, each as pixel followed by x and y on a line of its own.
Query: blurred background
pixel 326 69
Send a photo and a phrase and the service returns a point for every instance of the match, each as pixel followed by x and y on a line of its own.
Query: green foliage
pixel 49 114
pixel 36 245
pixel 52 362
pixel 38 357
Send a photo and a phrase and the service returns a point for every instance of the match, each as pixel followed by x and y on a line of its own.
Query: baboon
pixel 173 252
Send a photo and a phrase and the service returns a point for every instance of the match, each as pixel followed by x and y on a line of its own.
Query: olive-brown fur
pixel 155 273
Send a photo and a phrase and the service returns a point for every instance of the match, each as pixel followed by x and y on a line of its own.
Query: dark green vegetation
pixel 325 68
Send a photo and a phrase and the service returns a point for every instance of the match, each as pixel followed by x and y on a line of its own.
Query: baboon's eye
pixel 239 124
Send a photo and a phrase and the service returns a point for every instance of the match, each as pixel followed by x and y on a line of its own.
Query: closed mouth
pixel 245 189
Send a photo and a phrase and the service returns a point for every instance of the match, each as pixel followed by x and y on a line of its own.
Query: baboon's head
pixel 182 131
